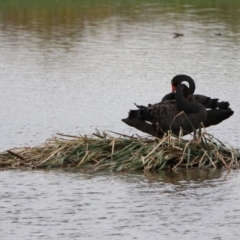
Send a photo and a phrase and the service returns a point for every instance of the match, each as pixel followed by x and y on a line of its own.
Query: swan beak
pixel 173 88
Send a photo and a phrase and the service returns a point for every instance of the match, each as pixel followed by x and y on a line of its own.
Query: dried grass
pixel 101 151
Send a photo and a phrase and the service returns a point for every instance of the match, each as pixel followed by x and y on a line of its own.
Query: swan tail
pixel 223 105
pixel 216 116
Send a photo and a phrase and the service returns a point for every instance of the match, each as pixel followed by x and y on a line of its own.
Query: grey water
pixel 67 205
pixel 74 70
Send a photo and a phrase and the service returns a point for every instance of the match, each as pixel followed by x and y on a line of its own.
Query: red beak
pixel 173 88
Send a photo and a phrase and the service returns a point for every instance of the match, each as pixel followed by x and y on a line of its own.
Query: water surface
pixel 63 205
pixel 82 67
pixel 74 66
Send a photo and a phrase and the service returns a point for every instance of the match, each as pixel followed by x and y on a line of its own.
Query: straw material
pixel 101 151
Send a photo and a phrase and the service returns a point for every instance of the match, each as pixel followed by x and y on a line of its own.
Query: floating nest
pixel 101 151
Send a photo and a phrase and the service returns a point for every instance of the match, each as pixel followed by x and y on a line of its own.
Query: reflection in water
pixel 49 16
pixel 183 176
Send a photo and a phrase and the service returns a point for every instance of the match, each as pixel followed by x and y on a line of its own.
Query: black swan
pixel 207 102
pixel 219 112
pixel 165 116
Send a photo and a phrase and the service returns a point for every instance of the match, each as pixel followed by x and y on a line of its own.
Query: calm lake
pixel 77 66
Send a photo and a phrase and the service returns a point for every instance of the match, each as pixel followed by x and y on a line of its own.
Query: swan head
pixel 178 79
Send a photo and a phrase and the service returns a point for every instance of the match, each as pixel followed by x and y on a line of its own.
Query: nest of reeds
pixel 101 151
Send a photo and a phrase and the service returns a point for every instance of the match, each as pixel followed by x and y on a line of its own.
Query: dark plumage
pixel 219 112
pixel 207 102
pixel 171 115
pixel 158 118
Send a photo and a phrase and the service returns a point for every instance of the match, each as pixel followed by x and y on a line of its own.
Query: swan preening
pixel 180 110
pixel 207 102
